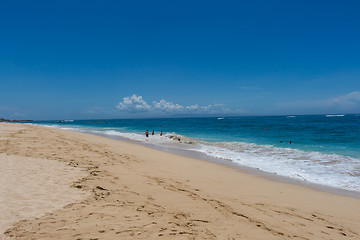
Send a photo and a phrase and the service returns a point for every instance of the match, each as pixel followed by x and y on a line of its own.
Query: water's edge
pixel 241 168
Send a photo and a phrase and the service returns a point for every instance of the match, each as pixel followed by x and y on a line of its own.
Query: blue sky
pixel 118 59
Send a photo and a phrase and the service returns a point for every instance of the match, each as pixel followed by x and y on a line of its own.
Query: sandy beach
pixel 58 184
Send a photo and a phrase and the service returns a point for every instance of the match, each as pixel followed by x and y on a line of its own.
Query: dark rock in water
pixel 176 138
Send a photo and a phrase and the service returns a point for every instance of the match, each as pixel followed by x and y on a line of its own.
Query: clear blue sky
pixel 114 59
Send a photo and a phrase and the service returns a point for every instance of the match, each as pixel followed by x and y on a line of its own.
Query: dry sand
pixel 31 186
pixel 135 192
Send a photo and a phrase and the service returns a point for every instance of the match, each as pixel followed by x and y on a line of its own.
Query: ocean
pixel 319 149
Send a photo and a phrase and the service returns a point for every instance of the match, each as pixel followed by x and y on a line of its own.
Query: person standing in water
pixel 147 133
pixel 153 132
pixel 161 133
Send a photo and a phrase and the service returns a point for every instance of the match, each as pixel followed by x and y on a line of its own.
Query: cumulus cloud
pixel 133 103
pixel 348 99
pixel 191 108
pixel 167 106
pixel 136 103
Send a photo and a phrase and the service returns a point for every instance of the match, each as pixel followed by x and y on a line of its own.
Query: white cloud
pixel 192 107
pixel 208 108
pixel 133 103
pixel 348 99
pixel 137 104
pixel 167 106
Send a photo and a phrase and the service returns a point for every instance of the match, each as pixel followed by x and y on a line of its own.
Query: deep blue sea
pixel 324 149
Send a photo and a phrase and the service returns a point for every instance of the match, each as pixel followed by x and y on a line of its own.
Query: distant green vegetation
pixel 8 120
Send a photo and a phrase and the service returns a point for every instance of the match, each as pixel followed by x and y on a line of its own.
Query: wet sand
pixel 135 192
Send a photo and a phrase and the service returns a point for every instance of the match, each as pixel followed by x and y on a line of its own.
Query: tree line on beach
pixel 10 120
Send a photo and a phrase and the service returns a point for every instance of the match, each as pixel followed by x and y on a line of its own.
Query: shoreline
pixel 137 192
pixel 244 169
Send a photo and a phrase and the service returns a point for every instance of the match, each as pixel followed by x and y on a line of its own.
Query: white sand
pixel 31 187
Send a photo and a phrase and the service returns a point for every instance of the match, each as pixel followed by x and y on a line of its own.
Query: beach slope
pixel 129 191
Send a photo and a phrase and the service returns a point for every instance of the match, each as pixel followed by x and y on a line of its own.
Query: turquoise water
pixel 325 149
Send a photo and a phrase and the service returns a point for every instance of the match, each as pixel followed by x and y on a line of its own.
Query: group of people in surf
pixel 153 133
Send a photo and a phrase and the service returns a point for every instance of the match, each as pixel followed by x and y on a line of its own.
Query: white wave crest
pixel 331 115
pixel 327 169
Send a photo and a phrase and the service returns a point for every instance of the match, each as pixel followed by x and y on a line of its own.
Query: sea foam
pixel 313 167
pixel 336 170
